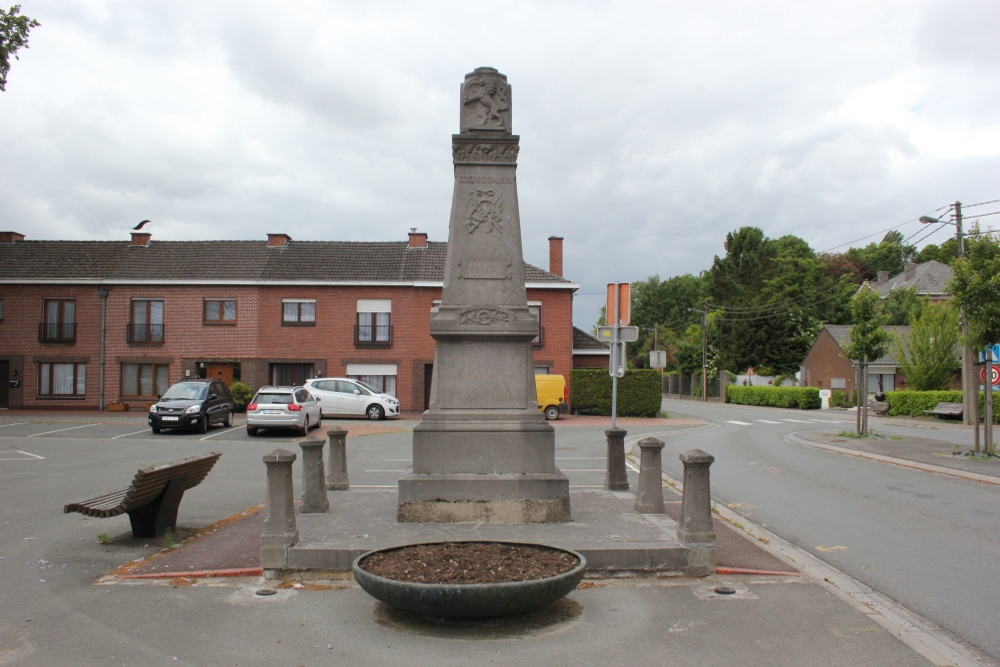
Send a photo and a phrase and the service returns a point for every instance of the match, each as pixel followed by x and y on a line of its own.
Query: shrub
pixel 240 392
pixel 840 399
pixel 914 403
pixel 640 393
pixel 803 398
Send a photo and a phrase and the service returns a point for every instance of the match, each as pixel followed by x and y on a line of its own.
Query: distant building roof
pixel 234 262
pixel 584 343
pixel 841 334
pixel 930 279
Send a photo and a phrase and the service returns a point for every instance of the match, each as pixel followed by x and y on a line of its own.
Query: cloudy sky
pixel 648 129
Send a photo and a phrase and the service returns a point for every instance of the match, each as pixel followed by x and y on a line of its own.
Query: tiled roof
pixel 584 341
pixel 842 335
pixel 232 261
pixel 929 278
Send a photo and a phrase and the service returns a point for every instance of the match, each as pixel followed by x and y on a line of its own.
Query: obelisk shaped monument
pixel 483 451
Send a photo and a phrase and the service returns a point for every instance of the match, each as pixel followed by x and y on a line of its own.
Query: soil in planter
pixel 469 563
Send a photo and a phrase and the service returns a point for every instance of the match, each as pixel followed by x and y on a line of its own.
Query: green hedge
pixel 803 398
pixel 913 403
pixel 639 392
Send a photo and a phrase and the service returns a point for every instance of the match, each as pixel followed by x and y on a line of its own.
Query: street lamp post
pixel 970 395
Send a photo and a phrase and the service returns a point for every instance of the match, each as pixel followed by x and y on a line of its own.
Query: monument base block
pixel 499 498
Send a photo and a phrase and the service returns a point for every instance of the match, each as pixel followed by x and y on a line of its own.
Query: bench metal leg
pixel 159 516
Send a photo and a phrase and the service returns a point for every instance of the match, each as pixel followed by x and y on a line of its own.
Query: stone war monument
pixel 482 452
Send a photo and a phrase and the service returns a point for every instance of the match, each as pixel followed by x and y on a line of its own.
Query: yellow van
pixel 552 395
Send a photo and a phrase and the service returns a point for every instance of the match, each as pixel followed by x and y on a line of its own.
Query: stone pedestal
pixel 695 529
pixel 483 451
pixel 616 478
pixel 649 496
pixel 280 532
pixel 314 500
pixel 336 478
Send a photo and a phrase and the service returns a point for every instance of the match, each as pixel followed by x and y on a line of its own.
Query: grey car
pixel 283 407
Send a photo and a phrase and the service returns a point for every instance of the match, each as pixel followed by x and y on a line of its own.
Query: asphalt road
pixel 928 541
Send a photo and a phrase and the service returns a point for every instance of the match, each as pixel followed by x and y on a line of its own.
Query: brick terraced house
pixel 87 323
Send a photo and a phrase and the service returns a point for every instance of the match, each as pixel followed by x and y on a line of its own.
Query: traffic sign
pixel 657 358
pixel 619 303
pixel 995 378
pixel 625 334
pixel 994 349
pixel 616 368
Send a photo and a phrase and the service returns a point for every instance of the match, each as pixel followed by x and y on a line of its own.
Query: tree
pixel 902 306
pixel 14 30
pixel 890 254
pixel 869 341
pixel 976 287
pixel 929 357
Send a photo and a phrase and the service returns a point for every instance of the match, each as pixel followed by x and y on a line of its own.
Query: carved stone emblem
pixel 483 317
pixel 488 95
pixel 488 153
pixel 484 207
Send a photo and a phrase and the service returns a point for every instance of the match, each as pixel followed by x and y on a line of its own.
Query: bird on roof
pixel 141 224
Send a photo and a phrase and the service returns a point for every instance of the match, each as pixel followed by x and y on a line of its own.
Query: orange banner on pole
pixel 620 303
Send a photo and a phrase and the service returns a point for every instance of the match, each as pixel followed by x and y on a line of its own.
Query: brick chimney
pixel 10 237
pixel 417 239
pixel 909 271
pixel 556 255
pixel 883 276
pixel 140 239
pixel 278 240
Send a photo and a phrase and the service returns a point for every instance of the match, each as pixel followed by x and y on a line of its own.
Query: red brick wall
pixel 257 339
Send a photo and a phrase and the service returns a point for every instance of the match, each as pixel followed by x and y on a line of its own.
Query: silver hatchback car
pixel 283 407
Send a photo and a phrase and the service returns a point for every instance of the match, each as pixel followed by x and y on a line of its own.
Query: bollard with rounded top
pixel 280 531
pixel 616 479
pixel 649 496
pixel 314 500
pixel 336 479
pixel 695 529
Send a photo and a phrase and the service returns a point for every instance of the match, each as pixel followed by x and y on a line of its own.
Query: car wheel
pixel 251 430
pixel 229 419
pixel 203 424
pixel 552 412
pixel 319 419
pixel 374 412
pixel 305 425
pixel 156 429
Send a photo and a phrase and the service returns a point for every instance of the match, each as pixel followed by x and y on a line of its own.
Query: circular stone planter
pixel 469 600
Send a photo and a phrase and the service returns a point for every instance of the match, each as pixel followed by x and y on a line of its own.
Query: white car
pixel 283 407
pixel 343 396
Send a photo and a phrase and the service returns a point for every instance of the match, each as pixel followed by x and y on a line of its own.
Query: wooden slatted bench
pixel 153 498
pixel 946 409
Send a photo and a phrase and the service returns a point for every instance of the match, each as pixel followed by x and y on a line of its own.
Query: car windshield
pixel 186 391
pixel 273 399
pixel 368 387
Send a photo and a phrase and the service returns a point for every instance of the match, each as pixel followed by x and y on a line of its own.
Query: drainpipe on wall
pixel 103 291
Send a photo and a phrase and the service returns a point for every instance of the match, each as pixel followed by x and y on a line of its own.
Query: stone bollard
pixel 649 496
pixel 314 500
pixel 279 532
pixel 695 530
pixel 616 479
pixel 337 480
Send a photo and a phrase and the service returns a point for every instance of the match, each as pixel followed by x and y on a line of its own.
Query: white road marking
pixel 29 455
pixel 231 428
pixel 797 421
pixel 766 421
pixel 730 421
pixel 60 430
pixel 125 435
pixel 12 424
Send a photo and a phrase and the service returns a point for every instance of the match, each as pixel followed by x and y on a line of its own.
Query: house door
pixel 4 383
pixel 222 372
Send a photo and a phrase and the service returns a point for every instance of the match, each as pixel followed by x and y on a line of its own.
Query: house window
pixel 60 321
pixel 220 311
pixel 144 380
pixel 381 377
pixel 146 327
pixel 298 312
pixel 374 325
pixel 290 375
pixel 62 379
pixel 535 309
